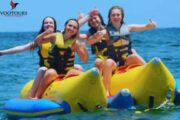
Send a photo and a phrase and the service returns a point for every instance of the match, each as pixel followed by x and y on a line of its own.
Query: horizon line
pixel 82 30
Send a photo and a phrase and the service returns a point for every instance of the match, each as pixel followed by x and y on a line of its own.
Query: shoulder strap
pixel 59 40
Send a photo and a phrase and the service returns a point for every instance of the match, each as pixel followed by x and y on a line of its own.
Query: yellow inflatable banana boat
pixel 148 84
pixel 83 92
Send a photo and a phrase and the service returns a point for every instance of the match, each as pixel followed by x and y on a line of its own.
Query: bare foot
pixel 108 94
pixel 34 98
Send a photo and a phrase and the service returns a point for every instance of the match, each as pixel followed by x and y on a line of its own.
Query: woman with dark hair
pixel 61 57
pixel 98 45
pixel 117 36
pixel 44 22
pixel 47 49
pixel 119 43
pixel 48 23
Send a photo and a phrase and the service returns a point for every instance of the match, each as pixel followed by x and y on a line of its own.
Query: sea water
pixel 16 70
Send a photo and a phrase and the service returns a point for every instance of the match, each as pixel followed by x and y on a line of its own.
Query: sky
pixel 166 13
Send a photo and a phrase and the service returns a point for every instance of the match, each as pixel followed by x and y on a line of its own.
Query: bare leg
pixel 49 76
pixel 78 67
pixel 135 58
pixel 37 81
pixel 73 72
pixel 99 64
pixel 109 67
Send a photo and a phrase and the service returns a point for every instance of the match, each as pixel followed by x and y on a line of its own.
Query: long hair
pixel 34 44
pixel 110 11
pixel 73 19
pixel 101 18
pixel 42 26
pixel 102 22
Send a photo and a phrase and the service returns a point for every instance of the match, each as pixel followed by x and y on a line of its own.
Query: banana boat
pixel 85 90
pixel 74 94
pixel 149 84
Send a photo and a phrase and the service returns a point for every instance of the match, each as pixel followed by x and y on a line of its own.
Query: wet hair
pixel 110 11
pixel 73 19
pixel 42 26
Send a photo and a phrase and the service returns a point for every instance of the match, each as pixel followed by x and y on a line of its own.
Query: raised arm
pixel 18 49
pixel 82 19
pixel 142 27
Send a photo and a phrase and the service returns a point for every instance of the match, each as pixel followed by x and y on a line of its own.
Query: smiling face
pixel 71 28
pixel 116 16
pixel 95 21
pixel 48 24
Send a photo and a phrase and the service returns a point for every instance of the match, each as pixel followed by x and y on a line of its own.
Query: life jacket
pixel 43 53
pixel 99 48
pixel 61 57
pixel 119 45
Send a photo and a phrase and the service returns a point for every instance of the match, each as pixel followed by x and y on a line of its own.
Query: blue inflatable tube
pixel 20 108
pixel 122 100
pixel 177 92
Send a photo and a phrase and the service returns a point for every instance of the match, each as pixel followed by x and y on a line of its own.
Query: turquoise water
pixel 17 69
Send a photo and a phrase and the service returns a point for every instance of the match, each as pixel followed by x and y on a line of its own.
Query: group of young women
pixel 110 43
